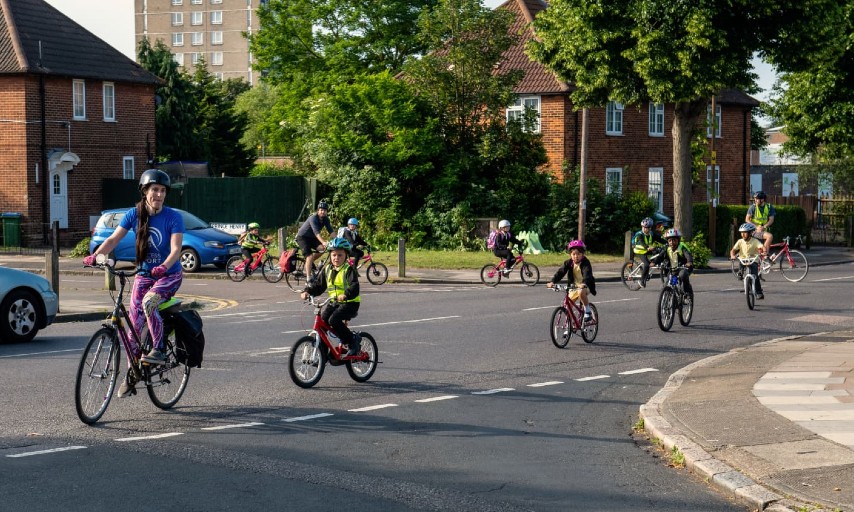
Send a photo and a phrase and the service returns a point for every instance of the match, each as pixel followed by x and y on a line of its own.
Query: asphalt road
pixel 472 407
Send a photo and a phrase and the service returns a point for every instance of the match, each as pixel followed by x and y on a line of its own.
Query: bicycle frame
pixel 255 262
pixel 750 279
pixel 320 331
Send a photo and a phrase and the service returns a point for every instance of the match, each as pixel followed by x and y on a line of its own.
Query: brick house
pixel 629 147
pixel 73 110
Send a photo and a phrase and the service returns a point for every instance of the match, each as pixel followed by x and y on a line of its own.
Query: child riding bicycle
pixel 351 234
pixel 250 243
pixel 579 272
pixel 500 241
pixel 677 255
pixel 645 243
pixel 748 247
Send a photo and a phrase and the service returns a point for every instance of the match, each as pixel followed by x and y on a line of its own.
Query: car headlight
pixel 214 244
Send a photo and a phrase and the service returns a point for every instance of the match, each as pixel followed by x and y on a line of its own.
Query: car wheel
pixel 20 317
pixel 190 260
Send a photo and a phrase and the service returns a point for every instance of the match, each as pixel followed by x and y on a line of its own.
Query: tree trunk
pixel 685 120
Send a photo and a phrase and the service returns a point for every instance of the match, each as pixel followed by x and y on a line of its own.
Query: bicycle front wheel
pixel 590 328
pixel 561 331
pixel 530 274
pixel 490 275
pixel 96 375
pixel 748 291
pixel 377 273
pixel 167 382
pixel 666 308
pixel 687 309
pixel 271 270
pixel 630 275
pixel 794 267
pixel 306 362
pixel 295 279
pixel 233 272
pixel 361 371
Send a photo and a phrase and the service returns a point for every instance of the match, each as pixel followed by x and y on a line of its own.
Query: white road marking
pixel 597 302
pixel 43 353
pixel 437 398
pixel 309 417
pixel 372 408
pixel 491 391
pixel 238 425
pixel 156 436
pixel 43 452
pixel 595 377
pixel 832 279
pixel 386 323
pixel 542 384
pixel 245 313
pixel 641 370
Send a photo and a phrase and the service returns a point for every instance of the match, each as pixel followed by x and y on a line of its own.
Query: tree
pixel 256 104
pixel 678 53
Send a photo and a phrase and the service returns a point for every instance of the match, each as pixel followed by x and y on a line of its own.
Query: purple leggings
pixel 147 294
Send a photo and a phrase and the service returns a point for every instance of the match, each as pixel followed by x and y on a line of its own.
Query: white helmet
pixel 504 223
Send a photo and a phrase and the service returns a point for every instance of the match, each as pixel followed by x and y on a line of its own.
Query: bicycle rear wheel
pixel 795 267
pixel 306 362
pixel 530 274
pixel 628 277
pixel 490 275
pixel 295 279
pixel 560 328
pixel 361 371
pixel 96 375
pixel 271 271
pixel 377 273
pixel 590 328
pixel 735 266
pixel 167 382
pixel 233 272
pixel 687 309
pixel 666 308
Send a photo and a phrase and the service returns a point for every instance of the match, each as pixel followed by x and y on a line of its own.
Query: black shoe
pixel 355 346
pixel 760 296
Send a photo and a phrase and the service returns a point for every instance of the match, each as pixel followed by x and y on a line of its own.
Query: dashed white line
pixel 832 279
pixel 640 370
pixel 43 452
pixel 542 384
pixel 42 353
pixel 437 398
pixel 492 391
pixel 372 408
pixel 388 323
pixel 309 417
pixel 595 377
pixel 156 436
pixel 237 425
pixel 597 302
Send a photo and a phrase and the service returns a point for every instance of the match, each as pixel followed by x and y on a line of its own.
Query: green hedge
pixel 790 220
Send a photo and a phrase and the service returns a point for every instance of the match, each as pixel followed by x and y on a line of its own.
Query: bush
pixel 81 249
pixel 699 250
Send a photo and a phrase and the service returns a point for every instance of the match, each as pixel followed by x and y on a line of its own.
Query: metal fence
pixel 834 224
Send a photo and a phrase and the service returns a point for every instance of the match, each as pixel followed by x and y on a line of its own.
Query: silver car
pixel 27 304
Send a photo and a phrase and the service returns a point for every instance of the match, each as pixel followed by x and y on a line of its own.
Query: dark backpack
pixel 286 261
pixel 189 338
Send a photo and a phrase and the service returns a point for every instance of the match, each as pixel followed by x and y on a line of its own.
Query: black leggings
pixel 507 254
pixel 335 314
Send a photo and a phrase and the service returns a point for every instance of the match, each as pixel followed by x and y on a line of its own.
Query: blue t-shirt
pixel 160 230
pixel 313 225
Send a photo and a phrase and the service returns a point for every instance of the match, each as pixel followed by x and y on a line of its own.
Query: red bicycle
pixel 310 353
pixel 377 273
pixel 491 274
pixel 791 263
pixel 269 266
pixel 568 318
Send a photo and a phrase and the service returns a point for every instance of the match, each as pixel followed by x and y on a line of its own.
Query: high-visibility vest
pixel 760 217
pixel 335 283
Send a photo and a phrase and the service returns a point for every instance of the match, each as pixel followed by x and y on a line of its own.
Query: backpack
pixel 286 261
pixel 242 238
pixel 490 242
pixel 341 231
pixel 189 338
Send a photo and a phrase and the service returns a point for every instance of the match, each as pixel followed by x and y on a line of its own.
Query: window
pixel 177 2
pixel 526 110
pixel 196 2
pixel 216 58
pixel 109 101
pixel 216 37
pixel 219 75
pixel 78 98
pixel 178 58
pixel 127 167
pixel 656 187
pixel 177 18
pixel 177 39
pixel 614 118
pixel 656 119
pixel 216 1
pixel 614 180
pixel 216 17
pixel 195 58
pixel 713 183
pixel 717 120
pixel 197 17
pixel 198 38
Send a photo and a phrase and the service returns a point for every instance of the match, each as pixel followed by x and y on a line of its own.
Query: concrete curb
pixel 697 459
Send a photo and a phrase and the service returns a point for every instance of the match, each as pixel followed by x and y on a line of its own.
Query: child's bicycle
pixel 99 368
pixel 749 279
pixel 568 318
pixel 491 274
pixel 236 267
pixel 631 275
pixel 377 273
pixel 792 264
pixel 674 298
pixel 310 353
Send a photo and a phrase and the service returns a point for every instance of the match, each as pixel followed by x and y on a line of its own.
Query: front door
pixel 59 198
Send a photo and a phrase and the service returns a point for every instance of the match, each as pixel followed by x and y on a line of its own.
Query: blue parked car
pixel 203 244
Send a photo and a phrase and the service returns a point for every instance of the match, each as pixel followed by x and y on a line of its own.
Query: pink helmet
pixel 576 244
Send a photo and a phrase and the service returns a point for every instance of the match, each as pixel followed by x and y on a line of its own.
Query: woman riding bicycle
pixel 251 243
pixel 579 271
pixel 748 247
pixel 678 255
pixel 159 236
pixel 502 240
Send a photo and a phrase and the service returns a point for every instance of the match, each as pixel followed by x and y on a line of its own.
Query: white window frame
pixel 197 18
pixel 656 119
pixel 177 19
pixel 710 187
pixel 177 2
pixel 219 75
pixel 195 58
pixel 656 187
pixel 516 111
pixel 178 58
pixel 197 2
pixel 216 37
pixel 177 39
pixel 216 1
pixel 614 118
pixel 127 167
pixel 109 95
pixel 216 58
pixel 78 99
pixel 717 120
pixel 216 17
pixel 614 185
pixel 197 39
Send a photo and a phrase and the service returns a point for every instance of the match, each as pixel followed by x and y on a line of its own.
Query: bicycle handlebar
pixel 110 265
pixel 564 287
pixel 748 261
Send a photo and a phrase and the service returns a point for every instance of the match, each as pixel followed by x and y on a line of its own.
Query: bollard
pixel 627 247
pixel 110 279
pixel 283 246
pixel 401 257
pixel 51 270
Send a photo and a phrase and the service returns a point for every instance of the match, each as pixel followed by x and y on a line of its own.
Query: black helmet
pixel 154 176
pixel 323 205
pixel 759 195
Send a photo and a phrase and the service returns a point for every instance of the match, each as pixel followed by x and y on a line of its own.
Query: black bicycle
pixel 673 298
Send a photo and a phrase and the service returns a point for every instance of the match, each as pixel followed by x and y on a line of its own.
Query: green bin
pixel 11 229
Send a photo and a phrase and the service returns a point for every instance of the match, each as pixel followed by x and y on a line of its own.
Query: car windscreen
pixel 193 222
